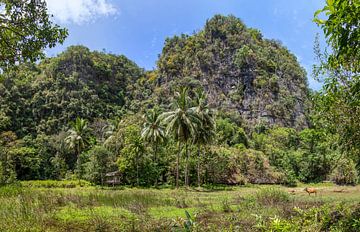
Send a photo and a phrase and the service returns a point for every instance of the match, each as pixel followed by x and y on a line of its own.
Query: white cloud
pixel 79 11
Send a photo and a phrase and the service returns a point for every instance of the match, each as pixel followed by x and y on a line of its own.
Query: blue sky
pixel 138 28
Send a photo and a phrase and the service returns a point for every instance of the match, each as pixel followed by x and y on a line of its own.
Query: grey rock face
pixel 240 71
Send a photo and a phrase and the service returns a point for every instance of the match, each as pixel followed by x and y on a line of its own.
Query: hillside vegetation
pixel 225 106
pixel 89 141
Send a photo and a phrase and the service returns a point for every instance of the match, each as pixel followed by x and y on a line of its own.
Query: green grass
pixel 169 212
pixel 246 208
pixel 73 213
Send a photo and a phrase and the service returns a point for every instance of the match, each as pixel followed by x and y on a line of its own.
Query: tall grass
pixel 251 208
pixel 272 196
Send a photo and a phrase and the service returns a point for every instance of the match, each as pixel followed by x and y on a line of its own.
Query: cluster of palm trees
pixel 189 122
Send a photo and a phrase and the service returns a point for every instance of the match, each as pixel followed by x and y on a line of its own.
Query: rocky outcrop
pixel 240 70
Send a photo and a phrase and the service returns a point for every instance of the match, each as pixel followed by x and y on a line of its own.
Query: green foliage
pixel 345 173
pixel 239 115
pixel 181 123
pixel 306 156
pixel 100 162
pixel 272 196
pixel 26 30
pixel 58 167
pixel 232 166
pixel 71 85
pixel 88 208
pixel 132 161
pixel 189 224
pixel 229 133
pixel 338 102
pixel 342 32
pixel 78 138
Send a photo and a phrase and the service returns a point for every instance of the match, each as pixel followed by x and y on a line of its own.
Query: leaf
pixel 317 12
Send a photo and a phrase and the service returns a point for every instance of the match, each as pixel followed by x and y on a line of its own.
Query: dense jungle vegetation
pixel 225 106
pixel 85 113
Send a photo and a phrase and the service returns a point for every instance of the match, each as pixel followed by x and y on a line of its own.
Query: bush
pixel 272 196
pixel 55 183
pixel 352 222
pixel 290 179
pixel 226 165
pixel 256 168
pixel 345 173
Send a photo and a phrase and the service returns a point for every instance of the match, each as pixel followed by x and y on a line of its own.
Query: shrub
pixel 226 206
pixel 272 196
pixel 345 173
pixel 290 179
pixel 256 168
pixel 226 165
pixel 281 225
pixel 352 222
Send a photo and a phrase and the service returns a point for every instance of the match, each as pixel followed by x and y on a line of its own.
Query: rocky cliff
pixel 240 70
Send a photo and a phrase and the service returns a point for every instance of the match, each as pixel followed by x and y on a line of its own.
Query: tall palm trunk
pixel 186 165
pixel 177 165
pixel 156 165
pixel 137 170
pixel 198 166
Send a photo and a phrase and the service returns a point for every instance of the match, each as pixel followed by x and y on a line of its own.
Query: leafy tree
pixel 131 155
pixel 100 162
pixel 341 28
pixel 59 167
pixel 345 173
pixel 339 101
pixel 25 30
pixel 26 162
pixel 181 123
pixel 8 140
pixel 154 133
pixel 229 133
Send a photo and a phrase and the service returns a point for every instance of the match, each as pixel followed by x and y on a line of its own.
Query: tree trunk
pixel 156 166
pixel 198 167
pixel 177 166
pixel 186 165
pixel 78 164
pixel 137 171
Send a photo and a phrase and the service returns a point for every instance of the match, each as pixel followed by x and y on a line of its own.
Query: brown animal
pixel 311 190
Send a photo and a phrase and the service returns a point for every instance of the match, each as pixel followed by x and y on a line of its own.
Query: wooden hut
pixel 113 178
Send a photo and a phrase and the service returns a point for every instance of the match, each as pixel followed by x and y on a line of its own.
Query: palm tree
pixel 78 139
pixel 78 136
pixel 206 131
pixel 153 132
pixel 182 123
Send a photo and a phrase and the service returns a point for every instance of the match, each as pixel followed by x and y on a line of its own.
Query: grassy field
pixel 245 208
